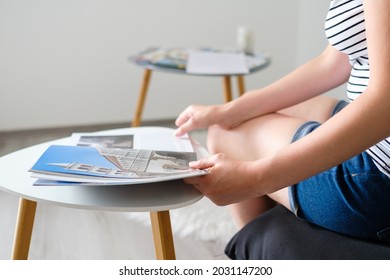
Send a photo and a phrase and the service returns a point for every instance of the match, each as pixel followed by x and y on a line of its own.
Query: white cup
pixel 245 40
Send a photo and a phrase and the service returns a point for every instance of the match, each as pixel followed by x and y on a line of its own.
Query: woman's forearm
pixel 319 75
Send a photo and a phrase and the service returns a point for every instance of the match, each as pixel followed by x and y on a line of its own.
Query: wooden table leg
pixel 24 227
pixel 142 97
pixel 241 85
pixel 227 87
pixel 162 235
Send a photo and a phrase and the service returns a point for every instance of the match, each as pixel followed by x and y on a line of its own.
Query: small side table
pixel 226 82
pixel 156 198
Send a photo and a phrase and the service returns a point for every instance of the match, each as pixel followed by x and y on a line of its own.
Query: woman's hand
pixel 196 116
pixel 228 181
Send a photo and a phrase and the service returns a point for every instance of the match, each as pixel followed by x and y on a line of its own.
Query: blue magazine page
pixel 112 162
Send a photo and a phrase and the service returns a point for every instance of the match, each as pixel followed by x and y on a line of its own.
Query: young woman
pixel 326 160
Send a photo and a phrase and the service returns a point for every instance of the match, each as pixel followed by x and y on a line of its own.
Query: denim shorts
pixel 352 198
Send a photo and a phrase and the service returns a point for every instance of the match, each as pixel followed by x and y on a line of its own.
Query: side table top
pixel 15 178
pixel 173 60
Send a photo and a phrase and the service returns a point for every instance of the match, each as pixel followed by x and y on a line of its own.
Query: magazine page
pixel 164 140
pixel 112 162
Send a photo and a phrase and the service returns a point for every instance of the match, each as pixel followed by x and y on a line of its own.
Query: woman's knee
pixel 214 135
pixel 254 138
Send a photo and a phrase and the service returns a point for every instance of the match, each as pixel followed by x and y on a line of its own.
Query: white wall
pixel 66 62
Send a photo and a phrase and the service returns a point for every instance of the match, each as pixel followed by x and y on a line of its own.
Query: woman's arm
pixel 325 72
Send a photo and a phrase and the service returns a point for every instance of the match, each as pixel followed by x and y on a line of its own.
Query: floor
pixel 63 233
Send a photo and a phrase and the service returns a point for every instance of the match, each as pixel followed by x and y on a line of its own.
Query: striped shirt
pixel 345 30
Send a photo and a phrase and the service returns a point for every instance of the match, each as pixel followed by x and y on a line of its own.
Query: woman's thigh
pixel 266 134
pixel 317 109
pixel 253 139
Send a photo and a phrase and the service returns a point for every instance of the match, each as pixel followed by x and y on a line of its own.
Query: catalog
pixel 116 159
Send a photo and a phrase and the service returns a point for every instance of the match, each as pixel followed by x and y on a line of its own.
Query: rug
pixel 203 221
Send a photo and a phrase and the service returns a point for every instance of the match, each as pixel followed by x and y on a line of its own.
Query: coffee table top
pixel 161 196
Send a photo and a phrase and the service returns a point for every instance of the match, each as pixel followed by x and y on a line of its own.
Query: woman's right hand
pixel 197 116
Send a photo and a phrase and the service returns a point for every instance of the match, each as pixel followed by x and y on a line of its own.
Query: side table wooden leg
pixel 227 87
pixel 162 235
pixel 142 97
pixel 241 85
pixel 24 227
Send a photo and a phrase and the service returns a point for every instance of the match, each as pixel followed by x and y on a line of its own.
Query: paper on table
pixel 216 63
pixel 163 141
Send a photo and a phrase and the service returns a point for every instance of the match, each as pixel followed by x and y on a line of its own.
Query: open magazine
pixel 93 159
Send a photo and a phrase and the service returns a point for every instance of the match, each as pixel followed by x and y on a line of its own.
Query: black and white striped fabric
pixel 345 30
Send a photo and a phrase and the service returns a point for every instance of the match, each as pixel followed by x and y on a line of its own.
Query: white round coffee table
pixel 156 198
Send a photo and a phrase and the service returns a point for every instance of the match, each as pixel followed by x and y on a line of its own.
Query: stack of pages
pixel 93 159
